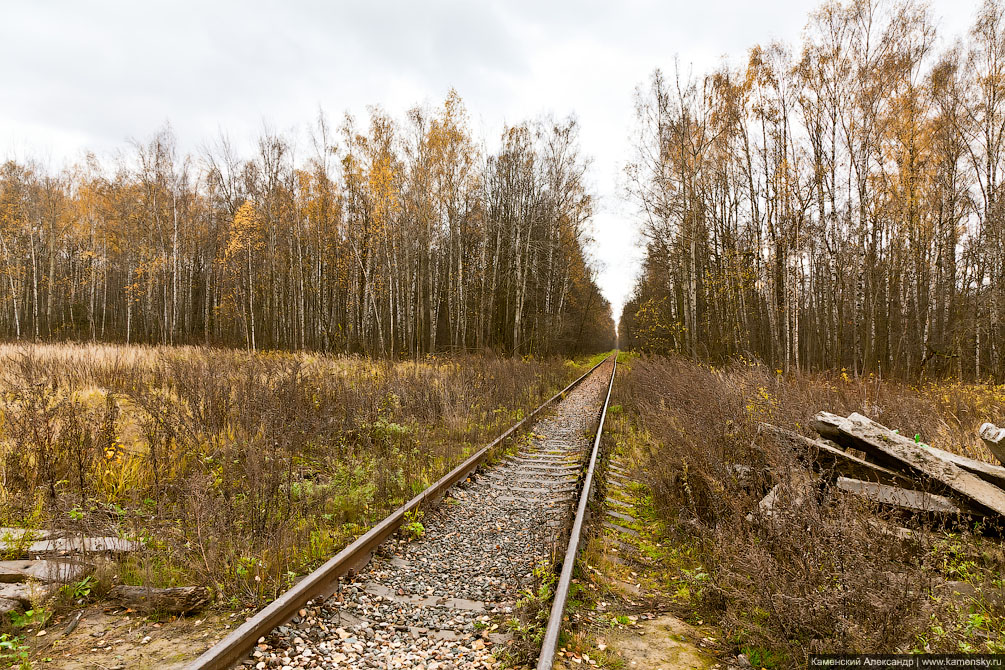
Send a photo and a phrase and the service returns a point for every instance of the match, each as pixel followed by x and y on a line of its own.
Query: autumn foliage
pixel 833 205
pixel 240 470
pixel 397 239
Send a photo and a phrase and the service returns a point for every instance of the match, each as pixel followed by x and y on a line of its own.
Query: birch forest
pixel 390 237
pixel 837 204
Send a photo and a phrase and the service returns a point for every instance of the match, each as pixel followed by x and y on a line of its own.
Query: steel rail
pixel 322 581
pixel 549 644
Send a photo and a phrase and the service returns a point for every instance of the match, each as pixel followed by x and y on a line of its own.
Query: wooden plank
pixel 898 452
pixel 827 457
pixel 177 600
pixel 994 438
pixel 84 545
pixel 917 501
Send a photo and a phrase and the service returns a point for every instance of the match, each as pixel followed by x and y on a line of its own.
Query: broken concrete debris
pixel 864 458
pixel 918 501
pixel 83 545
pixel 922 463
pixel 827 456
pixel 51 559
pixel 994 438
pixel 788 493
pixel 43 570
pixel 27 542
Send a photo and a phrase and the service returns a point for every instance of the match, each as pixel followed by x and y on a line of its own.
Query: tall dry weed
pixel 820 572
pixel 240 470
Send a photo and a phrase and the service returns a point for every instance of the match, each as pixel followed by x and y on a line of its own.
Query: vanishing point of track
pixel 436 601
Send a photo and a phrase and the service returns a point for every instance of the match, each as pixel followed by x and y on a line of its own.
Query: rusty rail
pixel 550 643
pixel 322 581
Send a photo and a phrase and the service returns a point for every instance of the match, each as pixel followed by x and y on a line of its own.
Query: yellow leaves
pixel 371 169
pixel 451 150
pixel 383 190
pixel 453 107
pixel 317 198
pixel 245 231
pixel 761 405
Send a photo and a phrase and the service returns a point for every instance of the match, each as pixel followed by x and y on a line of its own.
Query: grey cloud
pixel 115 68
pixel 92 74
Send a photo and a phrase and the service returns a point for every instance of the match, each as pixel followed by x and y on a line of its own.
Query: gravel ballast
pixel 440 601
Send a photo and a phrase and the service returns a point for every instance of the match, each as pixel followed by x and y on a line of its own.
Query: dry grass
pixel 821 576
pixel 239 471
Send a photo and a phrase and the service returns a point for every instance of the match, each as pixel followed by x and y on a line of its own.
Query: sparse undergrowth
pixel 821 576
pixel 530 617
pixel 238 471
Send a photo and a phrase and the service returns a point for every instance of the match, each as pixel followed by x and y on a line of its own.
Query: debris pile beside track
pixel 898 473
pixel 38 563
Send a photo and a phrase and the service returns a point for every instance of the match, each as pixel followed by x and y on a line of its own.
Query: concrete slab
pixel 967 480
pixel 27 592
pixel 621 529
pixel 622 517
pixel 43 570
pixel 15 539
pixel 905 498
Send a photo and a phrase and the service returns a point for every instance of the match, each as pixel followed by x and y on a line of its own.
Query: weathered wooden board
pixel 831 458
pixel 896 451
pixel 917 501
pixel 44 570
pixel 83 545
pixel 994 438
pixel 176 600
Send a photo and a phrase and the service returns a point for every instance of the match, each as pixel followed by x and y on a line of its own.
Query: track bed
pixel 436 601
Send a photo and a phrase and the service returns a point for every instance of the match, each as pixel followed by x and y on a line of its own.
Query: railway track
pixel 436 599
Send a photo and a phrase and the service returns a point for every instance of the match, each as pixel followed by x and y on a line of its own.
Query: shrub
pixel 817 575
pixel 235 469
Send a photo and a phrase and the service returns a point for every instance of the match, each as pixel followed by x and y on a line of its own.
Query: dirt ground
pixel 661 644
pixel 622 621
pixel 117 639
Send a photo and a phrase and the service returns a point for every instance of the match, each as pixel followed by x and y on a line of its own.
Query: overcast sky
pixel 78 76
